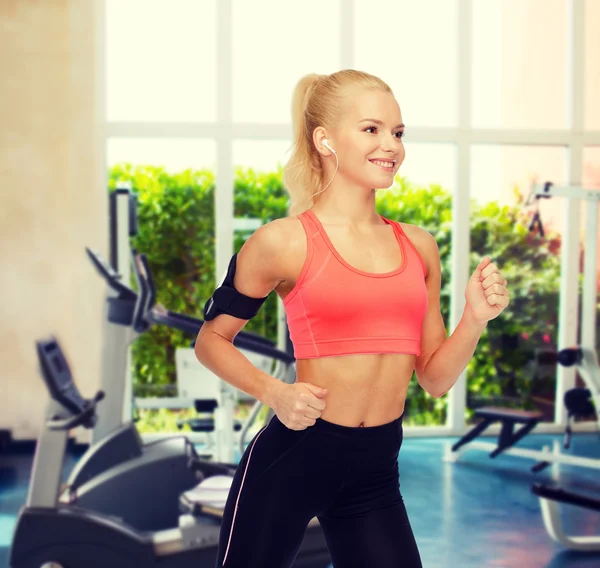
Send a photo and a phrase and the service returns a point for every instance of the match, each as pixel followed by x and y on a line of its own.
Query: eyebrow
pixel 379 122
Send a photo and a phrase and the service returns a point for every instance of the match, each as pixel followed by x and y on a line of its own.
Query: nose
pixel 389 143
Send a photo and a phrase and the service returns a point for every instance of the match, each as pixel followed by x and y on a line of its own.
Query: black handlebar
pixel 562 496
pixel 110 275
pixel 140 312
pixel 243 340
pixel 189 324
pixel 86 418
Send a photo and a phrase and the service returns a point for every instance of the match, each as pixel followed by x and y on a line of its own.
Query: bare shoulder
pixel 275 246
pixel 281 235
pixel 424 242
pixel 262 265
pixel 419 233
pixel 286 234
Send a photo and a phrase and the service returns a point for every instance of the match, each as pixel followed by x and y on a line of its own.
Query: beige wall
pixel 52 200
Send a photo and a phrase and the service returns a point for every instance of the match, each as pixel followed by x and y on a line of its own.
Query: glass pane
pixel 591 168
pixel 498 170
pixel 423 78
pixel 592 65
pixel 176 232
pixel 591 180
pixel 160 60
pixel 426 164
pixel 519 66
pixel 270 56
pixel 175 155
pixel 502 371
pixel 261 155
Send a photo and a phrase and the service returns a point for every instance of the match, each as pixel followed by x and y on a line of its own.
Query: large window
pixel 492 100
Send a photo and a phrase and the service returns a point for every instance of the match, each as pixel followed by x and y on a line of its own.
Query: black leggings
pixel 347 477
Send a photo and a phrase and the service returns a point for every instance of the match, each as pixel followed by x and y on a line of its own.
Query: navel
pixel 361 425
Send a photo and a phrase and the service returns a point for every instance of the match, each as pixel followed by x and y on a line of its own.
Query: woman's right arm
pixel 257 274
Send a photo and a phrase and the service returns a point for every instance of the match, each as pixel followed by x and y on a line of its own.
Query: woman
pixel 361 295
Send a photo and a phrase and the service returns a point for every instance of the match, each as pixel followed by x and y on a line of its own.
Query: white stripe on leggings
pixel 240 492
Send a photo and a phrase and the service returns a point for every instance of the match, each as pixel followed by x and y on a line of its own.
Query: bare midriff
pixel 363 389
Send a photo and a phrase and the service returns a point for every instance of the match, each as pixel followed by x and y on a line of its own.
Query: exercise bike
pixel 147 487
pixel 50 533
pixel 119 475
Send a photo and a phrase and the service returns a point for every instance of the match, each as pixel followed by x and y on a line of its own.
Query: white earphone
pixel 326 144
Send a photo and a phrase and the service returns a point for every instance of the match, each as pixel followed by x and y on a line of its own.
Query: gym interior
pixel 142 144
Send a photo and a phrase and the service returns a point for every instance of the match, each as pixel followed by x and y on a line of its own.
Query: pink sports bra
pixel 337 309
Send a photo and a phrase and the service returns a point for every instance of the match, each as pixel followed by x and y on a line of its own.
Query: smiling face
pixel 371 129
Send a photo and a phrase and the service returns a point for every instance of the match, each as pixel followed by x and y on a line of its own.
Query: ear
pixel 319 135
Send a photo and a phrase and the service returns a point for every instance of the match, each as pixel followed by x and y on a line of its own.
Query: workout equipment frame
pixel 551 497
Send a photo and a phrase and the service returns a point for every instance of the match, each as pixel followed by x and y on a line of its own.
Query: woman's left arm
pixel 486 298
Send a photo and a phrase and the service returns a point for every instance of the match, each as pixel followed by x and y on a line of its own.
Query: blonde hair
pixel 318 100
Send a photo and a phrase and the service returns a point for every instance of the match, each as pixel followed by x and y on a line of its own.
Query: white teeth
pixel 387 165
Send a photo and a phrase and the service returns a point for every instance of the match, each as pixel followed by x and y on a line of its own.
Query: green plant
pixel 176 232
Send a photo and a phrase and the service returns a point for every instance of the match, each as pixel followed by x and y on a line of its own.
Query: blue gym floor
pixel 475 513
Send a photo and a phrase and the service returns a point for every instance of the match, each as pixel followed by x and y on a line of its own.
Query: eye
pixel 401 132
